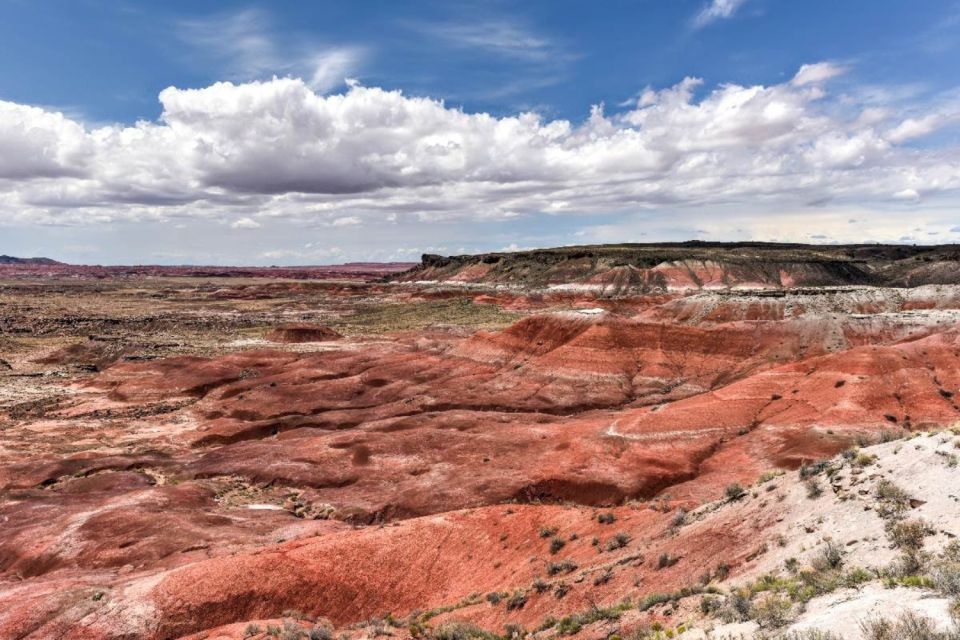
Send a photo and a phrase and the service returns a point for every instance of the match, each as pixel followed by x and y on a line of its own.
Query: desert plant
pixel 666 560
pixel 321 632
pixel 945 576
pixel 680 517
pixel 460 631
pixel 722 571
pixel 653 600
pixel 810 634
pixel 618 541
pixel 815 468
pixel 908 626
pixel 814 490
pixel 829 557
pixel 292 631
pixel 603 578
pixel 251 630
pixel 556 544
pixel 563 566
pixel 516 601
pixel 738 607
pixel 772 611
pixel 606 518
pixel 546 532
pixel 734 491
pixel 908 534
pixel 561 589
pixel 893 499
pixel 540 585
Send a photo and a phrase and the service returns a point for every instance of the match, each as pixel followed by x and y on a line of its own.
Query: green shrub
pixel 772 611
pixel 460 631
pixel 653 600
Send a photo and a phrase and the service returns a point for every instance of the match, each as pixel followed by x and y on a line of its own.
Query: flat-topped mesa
pixel 643 268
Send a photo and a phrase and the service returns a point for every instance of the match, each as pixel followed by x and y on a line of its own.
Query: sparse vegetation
pixel 618 541
pixel 461 631
pixel 810 470
pixel 772 611
pixel 573 624
pixel 830 556
pixel 516 601
pixel 563 566
pixel 666 560
pixel 606 518
pixel 814 489
pixel 734 491
pixel 679 518
pixel 908 534
pixel 556 544
pixel 908 626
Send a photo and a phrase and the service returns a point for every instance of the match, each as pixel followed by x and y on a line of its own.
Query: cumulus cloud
pixel 35 143
pixel 717 10
pixel 281 148
pixel 245 223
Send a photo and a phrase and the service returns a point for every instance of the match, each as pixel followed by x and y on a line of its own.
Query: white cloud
pixel 500 37
pixel 244 44
pixel 819 72
pixel 346 221
pixel 35 143
pixel 913 128
pixel 245 223
pixel 279 148
pixel 909 195
pixel 717 10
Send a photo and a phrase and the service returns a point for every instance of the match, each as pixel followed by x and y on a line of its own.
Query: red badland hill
pixel 350 475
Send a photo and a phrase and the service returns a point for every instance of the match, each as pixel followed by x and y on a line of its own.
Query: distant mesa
pixel 27 261
pixel 302 332
pixel 694 265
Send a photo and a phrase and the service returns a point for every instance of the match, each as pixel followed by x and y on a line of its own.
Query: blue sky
pixel 295 132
